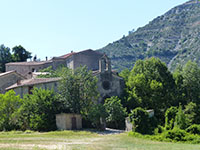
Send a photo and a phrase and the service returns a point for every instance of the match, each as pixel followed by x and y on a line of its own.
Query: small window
pixel 33 69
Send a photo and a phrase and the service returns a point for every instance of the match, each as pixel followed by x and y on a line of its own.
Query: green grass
pixel 78 140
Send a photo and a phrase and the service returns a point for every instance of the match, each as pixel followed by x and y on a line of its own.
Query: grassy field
pixel 78 140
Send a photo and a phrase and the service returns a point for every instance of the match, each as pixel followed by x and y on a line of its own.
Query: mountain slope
pixel 173 37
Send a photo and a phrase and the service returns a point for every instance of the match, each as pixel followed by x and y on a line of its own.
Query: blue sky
pixel 56 27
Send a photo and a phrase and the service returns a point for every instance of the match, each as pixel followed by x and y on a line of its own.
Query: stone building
pixel 25 86
pixel 72 60
pixel 109 83
pixel 9 78
pixel 68 121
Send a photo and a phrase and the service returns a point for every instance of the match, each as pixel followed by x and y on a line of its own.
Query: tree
pixel 9 106
pixel 192 113
pixel 20 54
pixel 151 84
pixel 116 112
pixel 78 90
pixel 140 120
pixel 191 82
pixel 188 83
pixel 96 115
pixel 5 57
pixel 38 110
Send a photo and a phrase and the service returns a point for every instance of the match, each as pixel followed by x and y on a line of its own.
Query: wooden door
pixel 74 123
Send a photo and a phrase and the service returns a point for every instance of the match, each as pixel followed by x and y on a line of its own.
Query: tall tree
pixel 151 85
pixel 78 90
pixel 5 57
pixel 20 54
pixel 188 83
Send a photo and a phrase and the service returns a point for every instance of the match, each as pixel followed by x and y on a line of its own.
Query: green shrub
pixel 96 114
pixel 140 120
pixel 170 116
pixel 194 129
pixel 159 129
pixel 116 113
pixel 176 134
pixel 180 120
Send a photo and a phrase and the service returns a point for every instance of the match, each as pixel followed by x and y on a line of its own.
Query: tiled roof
pixel 10 72
pixel 29 63
pixel 67 55
pixel 33 81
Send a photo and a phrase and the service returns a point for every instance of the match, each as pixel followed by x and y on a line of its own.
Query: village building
pixel 109 83
pixel 68 121
pixel 72 60
pixel 9 78
pixel 25 86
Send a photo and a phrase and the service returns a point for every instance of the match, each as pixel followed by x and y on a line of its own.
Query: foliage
pixel 9 106
pixel 191 82
pixel 151 85
pixel 96 115
pixel 140 120
pixel 78 90
pixel 192 113
pixel 20 54
pixel 194 129
pixel 180 120
pixel 50 72
pixel 5 57
pixel 116 112
pixel 170 116
pixel 175 134
pixel 38 110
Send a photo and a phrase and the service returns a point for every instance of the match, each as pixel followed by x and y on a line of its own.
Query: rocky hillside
pixel 173 37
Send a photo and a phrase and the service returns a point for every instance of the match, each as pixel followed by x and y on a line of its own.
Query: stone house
pixel 9 78
pixel 72 60
pixel 109 83
pixel 25 86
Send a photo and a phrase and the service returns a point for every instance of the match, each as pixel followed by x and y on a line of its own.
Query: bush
pixel 176 134
pixel 116 113
pixel 170 116
pixel 96 114
pixel 38 111
pixel 194 129
pixel 140 120
pixel 10 103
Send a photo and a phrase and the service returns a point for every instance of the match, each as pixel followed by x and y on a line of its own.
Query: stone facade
pixel 25 86
pixel 9 78
pixel 68 121
pixel 109 83
pixel 72 60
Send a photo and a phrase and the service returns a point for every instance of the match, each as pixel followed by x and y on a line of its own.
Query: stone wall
pixel 25 69
pixel 21 90
pixel 8 80
pixel 89 58
pixel 64 121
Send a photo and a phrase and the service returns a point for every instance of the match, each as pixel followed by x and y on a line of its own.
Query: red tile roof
pixel 67 55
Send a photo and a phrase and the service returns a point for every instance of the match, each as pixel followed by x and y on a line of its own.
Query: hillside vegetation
pixel 173 37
